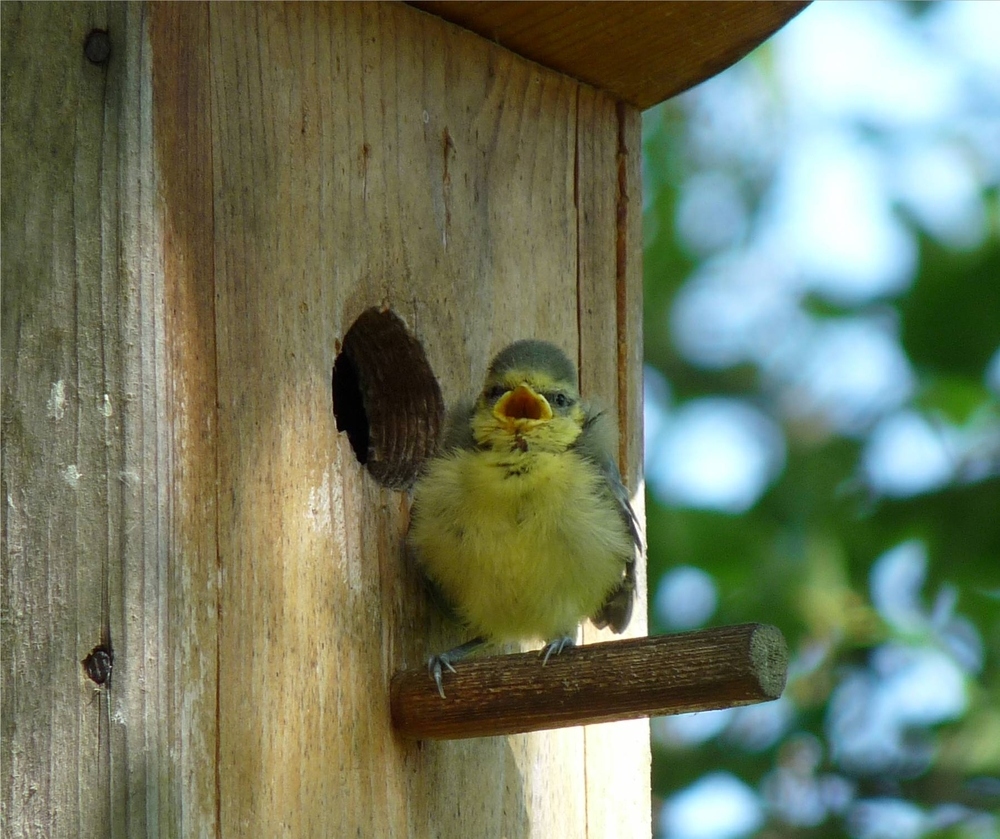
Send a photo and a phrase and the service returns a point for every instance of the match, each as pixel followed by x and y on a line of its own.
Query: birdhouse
pixel 208 626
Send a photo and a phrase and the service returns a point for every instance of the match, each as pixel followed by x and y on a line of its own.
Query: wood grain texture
pixel 84 435
pixel 615 680
pixel 403 161
pixel 641 52
pixel 181 166
pixel 610 280
pixel 188 230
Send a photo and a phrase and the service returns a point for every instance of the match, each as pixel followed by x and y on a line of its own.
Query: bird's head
pixel 529 400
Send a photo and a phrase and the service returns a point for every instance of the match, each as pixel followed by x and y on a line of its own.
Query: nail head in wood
pixel 97 47
pixel 615 680
pixel 98 663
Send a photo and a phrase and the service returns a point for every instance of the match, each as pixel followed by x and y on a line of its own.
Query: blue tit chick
pixel 521 523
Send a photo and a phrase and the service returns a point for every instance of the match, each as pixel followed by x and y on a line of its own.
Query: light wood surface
pixel 190 229
pixel 86 441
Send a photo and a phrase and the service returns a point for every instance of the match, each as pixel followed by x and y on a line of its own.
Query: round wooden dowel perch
pixel 615 680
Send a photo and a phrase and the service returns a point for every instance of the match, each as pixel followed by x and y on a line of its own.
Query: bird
pixel 520 523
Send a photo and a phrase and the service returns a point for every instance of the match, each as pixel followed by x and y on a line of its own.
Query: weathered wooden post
pixel 203 597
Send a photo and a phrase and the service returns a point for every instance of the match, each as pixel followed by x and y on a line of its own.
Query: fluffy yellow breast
pixel 525 545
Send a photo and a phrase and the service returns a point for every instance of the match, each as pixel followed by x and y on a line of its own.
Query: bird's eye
pixel 494 392
pixel 560 400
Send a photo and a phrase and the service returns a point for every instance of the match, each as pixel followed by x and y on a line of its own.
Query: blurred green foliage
pixel 802 556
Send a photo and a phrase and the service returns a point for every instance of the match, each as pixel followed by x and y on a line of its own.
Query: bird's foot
pixel 556 646
pixel 437 664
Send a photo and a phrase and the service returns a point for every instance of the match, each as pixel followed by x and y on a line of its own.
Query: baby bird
pixel 521 523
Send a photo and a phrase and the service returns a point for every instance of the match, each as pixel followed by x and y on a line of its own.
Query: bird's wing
pixel 593 444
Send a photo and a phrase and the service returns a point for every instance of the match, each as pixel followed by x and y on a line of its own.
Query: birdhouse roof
pixel 641 52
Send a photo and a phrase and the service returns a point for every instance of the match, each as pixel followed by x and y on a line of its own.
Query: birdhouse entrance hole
pixel 386 398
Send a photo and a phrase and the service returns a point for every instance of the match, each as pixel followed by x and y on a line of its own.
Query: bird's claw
pixel 436 666
pixel 557 646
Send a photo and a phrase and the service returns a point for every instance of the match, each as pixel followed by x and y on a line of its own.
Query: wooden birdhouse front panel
pixel 372 155
pixel 208 208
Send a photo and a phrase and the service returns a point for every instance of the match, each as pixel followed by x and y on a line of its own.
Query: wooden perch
pixel 615 680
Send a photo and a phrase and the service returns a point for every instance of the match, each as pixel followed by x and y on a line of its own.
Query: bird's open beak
pixel 522 403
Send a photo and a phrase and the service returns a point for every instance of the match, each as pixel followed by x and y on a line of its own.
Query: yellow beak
pixel 522 403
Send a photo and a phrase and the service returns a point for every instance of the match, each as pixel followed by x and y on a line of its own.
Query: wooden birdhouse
pixel 204 600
